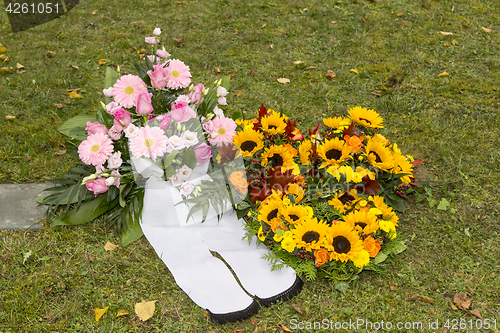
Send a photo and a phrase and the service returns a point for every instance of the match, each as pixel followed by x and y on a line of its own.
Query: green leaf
pixel 432 202
pixel 109 80
pixel 397 204
pixel 75 127
pixel 443 205
pixel 26 256
pixel 87 212
pixel 398 247
pixel 226 81
pixel 189 158
pixel 167 161
pixel 342 287
pixel 237 115
pixel 379 258
pixel 131 234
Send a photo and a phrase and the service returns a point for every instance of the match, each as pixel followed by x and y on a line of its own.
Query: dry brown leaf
pixel 178 40
pixel 296 308
pixel 444 33
pixel 217 70
pixel 453 306
pixel 94 12
pixel 486 29
pixel 476 313
pixel 461 301
pixel 445 330
pixel 298 62
pixel 51 53
pixel 59 106
pixel 145 310
pixel 419 298
pixel 122 313
pixel 60 152
pixel 6 59
pixel 69 91
pixel 235 31
pixel 91 258
pixel 129 282
pixel 401 14
pixel 74 67
pixel 330 75
pixel 5 256
pixel 392 287
pixel 238 331
pixel 284 328
pixel 283 80
pixel 256 330
pixel 263 26
pixel 377 93
pixel 102 61
pixel 311 67
pixel 110 246
pixel 99 313
pixel 333 22
pixel 10 117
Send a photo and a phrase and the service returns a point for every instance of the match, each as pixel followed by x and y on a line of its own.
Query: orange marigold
pixel 372 246
pixel 322 256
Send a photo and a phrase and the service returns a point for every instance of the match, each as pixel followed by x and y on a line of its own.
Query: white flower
pixel 175 180
pixel 176 142
pixel 186 188
pixel 221 94
pixel 110 181
pixel 112 106
pixel 115 161
pixel 157 32
pixel 184 173
pixel 218 112
pixel 191 138
pixel 131 131
pixel 108 92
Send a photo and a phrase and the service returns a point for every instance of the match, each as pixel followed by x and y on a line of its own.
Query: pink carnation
pixel 97 186
pixel 93 128
pixel 179 75
pixel 223 131
pixel 127 89
pixel 96 149
pixel 149 142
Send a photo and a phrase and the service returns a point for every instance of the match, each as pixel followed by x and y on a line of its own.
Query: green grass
pixel 450 121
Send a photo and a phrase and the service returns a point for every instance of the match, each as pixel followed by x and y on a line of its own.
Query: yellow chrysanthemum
pixel 378 155
pixel 388 227
pixel 310 234
pixel 245 123
pixel 296 190
pixel 260 234
pixel 278 156
pixel 305 150
pixel 401 165
pixel 349 174
pixel 344 200
pixel 343 243
pixel 249 141
pixel 337 123
pixel 362 221
pixel 333 152
pixel 361 259
pixel 288 244
pixel 270 212
pixel 293 213
pixel 365 117
pixel 274 123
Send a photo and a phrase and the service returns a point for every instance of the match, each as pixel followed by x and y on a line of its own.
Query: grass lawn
pixel 431 68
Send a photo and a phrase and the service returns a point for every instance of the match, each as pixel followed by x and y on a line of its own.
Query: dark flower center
pixel 272 127
pixel 333 154
pixel 377 157
pixel 341 244
pixel 272 214
pixel 276 160
pixel 293 217
pixel 310 237
pixel 345 198
pixel 361 224
pixel 364 119
pixel 248 145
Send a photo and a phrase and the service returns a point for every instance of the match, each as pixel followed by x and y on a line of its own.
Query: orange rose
pixel 354 142
pixel 372 246
pixel 322 256
pixel 239 180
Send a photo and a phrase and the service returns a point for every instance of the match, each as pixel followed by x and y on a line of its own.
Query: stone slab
pixel 18 206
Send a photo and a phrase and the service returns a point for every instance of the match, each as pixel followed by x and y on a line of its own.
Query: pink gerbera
pixel 223 130
pixel 149 142
pixel 96 149
pixel 127 89
pixel 179 75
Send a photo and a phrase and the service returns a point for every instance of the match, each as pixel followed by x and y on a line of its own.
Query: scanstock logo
pixel 25 14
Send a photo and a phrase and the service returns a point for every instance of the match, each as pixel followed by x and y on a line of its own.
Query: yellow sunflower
pixel 305 150
pixel 249 141
pixel 278 156
pixel 270 212
pixel 293 213
pixel 387 212
pixel 365 117
pixel 245 123
pixel 378 155
pixel 362 221
pixel 344 200
pixel 337 123
pixel 296 190
pixel 274 123
pixel 310 234
pixel 365 172
pixel 343 243
pixel 333 152
pixel 401 165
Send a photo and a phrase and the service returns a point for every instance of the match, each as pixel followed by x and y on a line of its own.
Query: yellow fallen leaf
pixel 443 74
pixel 145 310
pixel 298 62
pixel 354 70
pixel 74 67
pixel 102 61
pixel 283 80
pixel 19 66
pixel 3 56
pixel 74 94
pixel 141 51
pixel 217 70
pixel 110 246
pixel 6 69
pixel 330 75
pixel 6 59
pixel 333 22
pixel 453 42
pixel 446 33
pixel 239 93
pixel 486 29
pixel 122 313
pixel 69 91
pixel 94 12
pixel 99 313
pixel 10 117
pixel 263 26
pixel 2 48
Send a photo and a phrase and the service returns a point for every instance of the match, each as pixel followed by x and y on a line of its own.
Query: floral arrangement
pixel 324 202
pixel 157 116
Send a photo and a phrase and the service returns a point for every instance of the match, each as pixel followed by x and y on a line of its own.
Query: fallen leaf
pixel 393 288
pixel 453 306
pixel 284 328
pixel 74 67
pixel 420 298
pixel 51 53
pixel 2 48
pixel 102 61
pixel 19 66
pixel 354 70
pixel 5 256
pixel 486 29
pixel 59 106
pixel 180 2
pixel 61 152
pixel 454 42
pixel 141 51
pixel 110 246
pixel 298 62
pixel 251 72
pixel 94 12
pixel 271 45
pixel 91 258
pixel 256 330
pixel 376 93
pixel 311 67
pixel 145 310
pixel 263 26
pixel 122 313
pixel 6 58
pixel 461 301
pixel 235 31
pixel 3 56
pixel 443 74
pixel 178 40
pixel 99 313
pixel 69 91
pixel 283 80
pixel 403 24
pixel 238 331
pixel 401 14
pixel 6 69
pixel 446 33
pixel 330 75
pixel 217 70
pixel 476 313
pixel 10 117
pixel 239 93
pixel 333 22
pixel 296 308
pixel 129 282
pixel 74 94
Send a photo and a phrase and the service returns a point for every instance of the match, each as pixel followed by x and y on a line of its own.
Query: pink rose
pixel 97 186
pixel 144 103
pixel 181 112
pixel 159 77
pixel 203 152
pixel 93 128
pixel 196 95
pixel 165 122
pixel 122 118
